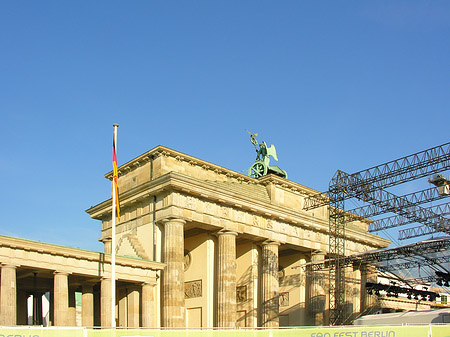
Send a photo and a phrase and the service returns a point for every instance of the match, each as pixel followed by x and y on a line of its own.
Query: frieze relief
pixel 225 212
pixel 208 207
pixel 284 299
pixel 193 203
pixel 193 289
pixel 241 294
pixel 239 215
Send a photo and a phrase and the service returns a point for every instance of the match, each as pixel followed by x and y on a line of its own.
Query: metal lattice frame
pixel 395 172
pixel 398 220
pixel 363 185
pixel 337 251
pixel 413 199
pixel 424 248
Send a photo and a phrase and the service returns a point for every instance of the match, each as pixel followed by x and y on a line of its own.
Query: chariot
pixel 261 166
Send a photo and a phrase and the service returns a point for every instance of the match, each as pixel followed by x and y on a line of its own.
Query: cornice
pixel 287 185
pixel 166 152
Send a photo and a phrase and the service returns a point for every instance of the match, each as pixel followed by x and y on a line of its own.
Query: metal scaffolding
pixel 368 186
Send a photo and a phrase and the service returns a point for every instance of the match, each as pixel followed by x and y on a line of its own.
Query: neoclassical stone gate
pixel 229 242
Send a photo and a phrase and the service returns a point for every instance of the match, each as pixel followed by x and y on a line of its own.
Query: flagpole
pixel 113 243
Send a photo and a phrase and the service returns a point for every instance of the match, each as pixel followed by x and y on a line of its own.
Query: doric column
pixel 87 305
pixel 8 294
pixel 107 243
pixel 60 299
pixel 37 308
pixel 318 293
pixel 356 300
pixel 368 301
pixel 72 310
pixel 105 302
pixel 148 302
pixel 133 302
pixel 173 314
pixel 226 285
pixel 303 296
pixel 270 284
pixel 122 314
pixel 22 307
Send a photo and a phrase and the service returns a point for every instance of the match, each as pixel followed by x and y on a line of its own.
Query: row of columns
pixel 173 314
pixel 63 313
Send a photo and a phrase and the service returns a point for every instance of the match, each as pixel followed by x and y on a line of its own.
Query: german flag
pixel 115 188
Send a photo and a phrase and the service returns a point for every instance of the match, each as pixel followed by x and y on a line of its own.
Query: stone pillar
pixel 22 307
pixel 107 243
pixel 318 293
pixel 270 284
pixel 97 306
pixel 72 310
pixel 87 305
pixel 37 309
pixel 147 304
pixel 122 307
pixel 368 302
pixel 356 292
pixel 133 302
pixel 8 296
pixel 173 314
pixel 105 302
pixel 303 296
pixel 226 283
pixel 60 299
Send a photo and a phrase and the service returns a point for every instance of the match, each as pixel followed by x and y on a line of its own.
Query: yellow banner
pixel 341 331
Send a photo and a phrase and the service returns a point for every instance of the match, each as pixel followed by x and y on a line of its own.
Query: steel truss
pixel 365 185
pixel 415 250
pixel 397 220
pixel 414 264
pixel 381 207
pixel 386 175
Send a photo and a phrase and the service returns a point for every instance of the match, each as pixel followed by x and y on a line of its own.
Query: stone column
pixel 356 292
pixel 303 296
pixel 173 314
pixel 37 309
pixel 318 293
pixel 122 315
pixel 368 303
pixel 270 284
pixel 147 303
pixel 22 307
pixel 226 283
pixel 107 243
pixel 60 299
pixel 8 296
pixel 72 310
pixel 87 305
pixel 105 302
pixel 133 302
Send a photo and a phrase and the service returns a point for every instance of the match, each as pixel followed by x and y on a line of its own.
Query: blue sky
pixel 334 85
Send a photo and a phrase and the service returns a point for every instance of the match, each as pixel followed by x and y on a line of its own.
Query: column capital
pixel 10 265
pixel 146 284
pixel 225 231
pixel 173 219
pixel 57 272
pixel 270 242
